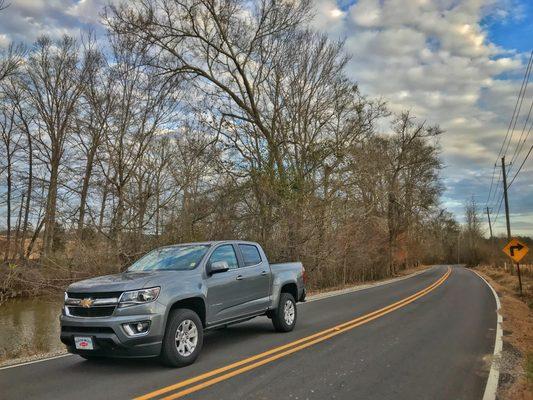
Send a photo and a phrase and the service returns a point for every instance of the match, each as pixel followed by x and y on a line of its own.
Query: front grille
pixel 91 312
pixel 87 329
pixel 95 295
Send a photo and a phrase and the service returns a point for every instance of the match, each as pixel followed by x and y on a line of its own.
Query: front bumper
pixel 109 336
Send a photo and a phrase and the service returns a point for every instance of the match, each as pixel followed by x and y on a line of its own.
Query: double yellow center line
pixel 221 374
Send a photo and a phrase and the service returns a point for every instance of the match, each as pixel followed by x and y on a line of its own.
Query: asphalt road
pixel 434 345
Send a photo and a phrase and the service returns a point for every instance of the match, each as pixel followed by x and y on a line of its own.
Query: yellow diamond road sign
pixel 516 250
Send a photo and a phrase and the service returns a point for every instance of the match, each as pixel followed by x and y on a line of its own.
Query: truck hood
pixel 118 282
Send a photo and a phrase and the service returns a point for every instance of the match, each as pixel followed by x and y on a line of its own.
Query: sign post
pixel 516 250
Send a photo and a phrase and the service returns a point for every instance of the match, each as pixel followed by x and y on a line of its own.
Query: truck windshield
pixel 179 258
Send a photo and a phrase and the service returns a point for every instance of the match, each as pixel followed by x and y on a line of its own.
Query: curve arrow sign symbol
pixel 517 247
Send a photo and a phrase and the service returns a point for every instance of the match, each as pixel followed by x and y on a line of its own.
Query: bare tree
pixel 11 60
pixel 24 116
pixel 145 104
pixel 97 103
pixel 10 142
pixel 54 82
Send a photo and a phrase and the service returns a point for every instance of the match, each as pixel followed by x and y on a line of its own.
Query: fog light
pixel 137 328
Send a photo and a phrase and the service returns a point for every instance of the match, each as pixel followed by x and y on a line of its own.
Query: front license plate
pixel 83 343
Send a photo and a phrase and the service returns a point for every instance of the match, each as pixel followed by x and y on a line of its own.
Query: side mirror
pixel 216 267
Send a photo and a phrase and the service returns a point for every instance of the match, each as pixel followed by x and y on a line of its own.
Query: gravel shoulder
pixel 516 364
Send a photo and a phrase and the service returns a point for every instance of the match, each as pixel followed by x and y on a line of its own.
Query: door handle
pixel 263 273
pixel 239 277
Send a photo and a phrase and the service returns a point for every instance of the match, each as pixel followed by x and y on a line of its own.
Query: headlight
pixel 138 297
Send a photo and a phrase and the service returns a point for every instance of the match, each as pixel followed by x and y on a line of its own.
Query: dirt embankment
pixel 516 367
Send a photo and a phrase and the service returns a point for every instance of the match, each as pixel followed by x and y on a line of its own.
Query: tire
pixel 284 322
pixel 179 353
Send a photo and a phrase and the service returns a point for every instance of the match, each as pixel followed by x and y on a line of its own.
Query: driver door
pixel 224 294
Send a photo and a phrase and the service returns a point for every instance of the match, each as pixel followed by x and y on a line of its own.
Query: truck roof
pixel 211 243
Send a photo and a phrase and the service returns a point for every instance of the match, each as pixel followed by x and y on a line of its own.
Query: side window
pixel 250 254
pixel 225 253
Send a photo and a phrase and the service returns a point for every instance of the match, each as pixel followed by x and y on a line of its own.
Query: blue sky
pixel 515 32
pixel 458 63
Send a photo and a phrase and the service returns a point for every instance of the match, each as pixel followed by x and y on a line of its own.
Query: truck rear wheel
pixel 183 338
pixel 284 316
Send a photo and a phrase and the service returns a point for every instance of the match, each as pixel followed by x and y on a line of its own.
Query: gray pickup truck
pixel 161 305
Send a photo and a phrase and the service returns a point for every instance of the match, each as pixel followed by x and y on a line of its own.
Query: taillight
pixel 304 275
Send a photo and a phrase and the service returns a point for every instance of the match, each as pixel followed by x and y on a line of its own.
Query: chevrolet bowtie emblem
pixel 86 303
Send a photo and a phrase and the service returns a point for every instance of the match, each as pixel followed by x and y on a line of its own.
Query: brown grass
pixel 516 369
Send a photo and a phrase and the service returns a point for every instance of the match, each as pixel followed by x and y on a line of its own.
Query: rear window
pixel 250 254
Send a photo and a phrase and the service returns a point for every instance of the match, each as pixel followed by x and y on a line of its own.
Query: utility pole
pixel 491 240
pixel 490 225
pixel 507 219
pixel 506 199
pixel 458 237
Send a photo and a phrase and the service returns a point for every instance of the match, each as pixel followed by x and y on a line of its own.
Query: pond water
pixel 30 326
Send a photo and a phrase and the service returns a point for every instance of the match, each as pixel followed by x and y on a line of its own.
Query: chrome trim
pixel 111 301
pixel 126 327
pixel 250 266
pixel 103 302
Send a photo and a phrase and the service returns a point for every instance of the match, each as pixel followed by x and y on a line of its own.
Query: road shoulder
pixel 362 286
pixel 517 340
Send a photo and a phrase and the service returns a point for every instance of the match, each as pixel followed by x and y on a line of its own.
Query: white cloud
pixel 88 11
pixel 4 41
pixel 434 57
pixel 329 17
pixel 367 13
pixel 25 20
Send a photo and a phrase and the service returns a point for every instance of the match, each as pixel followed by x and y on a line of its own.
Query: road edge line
pixel 491 388
pixel 21 364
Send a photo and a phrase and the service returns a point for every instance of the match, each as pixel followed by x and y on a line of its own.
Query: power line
pixel 491 183
pixel 521 165
pixel 526 77
pixel 498 212
pixel 518 104
pixel 514 117
pixel 497 187
pixel 521 143
pixel 512 180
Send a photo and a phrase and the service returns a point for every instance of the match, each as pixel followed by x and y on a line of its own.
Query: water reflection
pixel 30 326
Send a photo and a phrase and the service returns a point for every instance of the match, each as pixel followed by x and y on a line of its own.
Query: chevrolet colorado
pixel 161 305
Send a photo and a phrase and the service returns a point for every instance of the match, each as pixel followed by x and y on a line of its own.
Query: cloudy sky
pixel 458 63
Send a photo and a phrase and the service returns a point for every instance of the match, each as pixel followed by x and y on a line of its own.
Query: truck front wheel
pixel 183 338
pixel 284 316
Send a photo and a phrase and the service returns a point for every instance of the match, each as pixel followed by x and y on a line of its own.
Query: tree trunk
pixel 34 238
pixel 85 186
pixel 50 212
pixel 19 221
pixel 9 189
pixel 29 191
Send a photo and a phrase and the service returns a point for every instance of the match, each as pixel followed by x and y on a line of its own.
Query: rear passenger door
pixel 256 276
